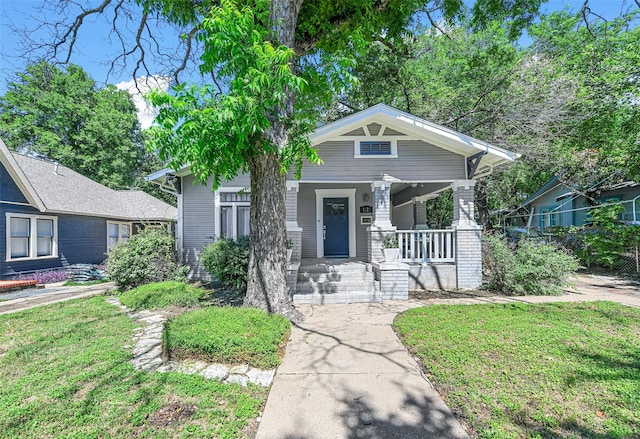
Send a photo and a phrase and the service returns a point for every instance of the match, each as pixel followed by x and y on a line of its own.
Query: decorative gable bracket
pixel 473 162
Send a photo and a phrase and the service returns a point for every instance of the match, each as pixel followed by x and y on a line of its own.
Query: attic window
pixel 375 148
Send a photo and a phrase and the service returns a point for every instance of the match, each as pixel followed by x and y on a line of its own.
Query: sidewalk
pixel 346 375
pixel 53 293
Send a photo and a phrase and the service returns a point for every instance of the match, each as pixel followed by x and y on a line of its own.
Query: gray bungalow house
pixel 380 165
pixel 556 205
pixel 52 217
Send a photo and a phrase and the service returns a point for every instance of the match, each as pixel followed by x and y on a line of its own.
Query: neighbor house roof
pixel 55 188
pixel 554 181
pixel 422 129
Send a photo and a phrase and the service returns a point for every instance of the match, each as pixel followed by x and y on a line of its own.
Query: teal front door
pixel 336 227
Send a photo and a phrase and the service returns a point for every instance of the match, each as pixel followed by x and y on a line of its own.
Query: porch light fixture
pixel 365 197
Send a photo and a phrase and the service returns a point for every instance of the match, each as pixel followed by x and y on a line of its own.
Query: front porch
pixel 356 219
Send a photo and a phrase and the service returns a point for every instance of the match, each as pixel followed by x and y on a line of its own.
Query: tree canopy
pixel 274 65
pixel 60 115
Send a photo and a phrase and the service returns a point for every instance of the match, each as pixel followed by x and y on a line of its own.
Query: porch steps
pixel 326 281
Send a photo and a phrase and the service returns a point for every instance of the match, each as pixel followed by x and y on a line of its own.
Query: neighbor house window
pixel 117 232
pixel 31 236
pixel 234 214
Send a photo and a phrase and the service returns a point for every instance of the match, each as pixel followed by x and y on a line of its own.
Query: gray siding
pixel 199 222
pixel 416 161
pixel 198 225
pixel 402 217
pixel 307 216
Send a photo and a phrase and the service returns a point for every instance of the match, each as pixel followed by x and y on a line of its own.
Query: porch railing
pixel 426 245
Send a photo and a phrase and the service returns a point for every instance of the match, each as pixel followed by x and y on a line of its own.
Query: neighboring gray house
pixel 52 217
pixel 380 165
pixel 557 205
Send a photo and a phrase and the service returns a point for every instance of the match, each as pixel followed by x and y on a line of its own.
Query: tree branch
pixel 72 31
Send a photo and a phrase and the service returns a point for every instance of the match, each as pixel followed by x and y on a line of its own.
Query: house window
pixel 117 232
pixel 375 148
pixel 234 214
pixel 31 236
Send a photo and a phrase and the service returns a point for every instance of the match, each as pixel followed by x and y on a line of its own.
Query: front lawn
pixel 228 335
pixel 566 370
pixel 65 372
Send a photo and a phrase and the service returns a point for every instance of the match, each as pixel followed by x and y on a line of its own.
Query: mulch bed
pixel 452 294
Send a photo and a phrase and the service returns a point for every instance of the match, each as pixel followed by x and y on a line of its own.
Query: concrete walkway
pixel 346 375
pixel 52 293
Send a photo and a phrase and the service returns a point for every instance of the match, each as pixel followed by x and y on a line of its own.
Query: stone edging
pixel 147 353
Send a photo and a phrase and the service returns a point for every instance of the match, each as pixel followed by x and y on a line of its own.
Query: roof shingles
pixel 63 190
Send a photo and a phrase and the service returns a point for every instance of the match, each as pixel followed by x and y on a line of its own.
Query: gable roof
pixel 554 182
pixel 422 129
pixel 399 123
pixel 57 189
pixel 540 192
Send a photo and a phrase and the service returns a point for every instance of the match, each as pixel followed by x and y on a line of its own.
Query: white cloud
pixel 146 114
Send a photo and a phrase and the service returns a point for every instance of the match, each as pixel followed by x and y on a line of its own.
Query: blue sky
pixel 94 49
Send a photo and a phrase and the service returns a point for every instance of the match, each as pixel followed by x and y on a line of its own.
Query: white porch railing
pixel 426 245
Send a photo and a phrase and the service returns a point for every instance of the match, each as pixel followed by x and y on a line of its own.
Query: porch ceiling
pixel 402 193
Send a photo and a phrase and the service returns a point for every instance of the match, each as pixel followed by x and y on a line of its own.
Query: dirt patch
pixel 452 294
pixel 172 414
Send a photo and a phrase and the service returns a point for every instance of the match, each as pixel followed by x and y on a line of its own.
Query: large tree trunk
pixel 482 203
pixel 266 281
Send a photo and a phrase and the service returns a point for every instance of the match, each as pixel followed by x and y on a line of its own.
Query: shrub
pixel 532 267
pixel 605 241
pixel 390 241
pixel 161 295
pixel 229 335
pixel 146 257
pixel 228 261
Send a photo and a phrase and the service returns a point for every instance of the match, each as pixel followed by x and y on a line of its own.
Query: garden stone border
pixel 147 353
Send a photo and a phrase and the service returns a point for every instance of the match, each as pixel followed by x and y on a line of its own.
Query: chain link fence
pixel 602 251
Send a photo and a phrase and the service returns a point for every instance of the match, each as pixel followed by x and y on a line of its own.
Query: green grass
pixel 161 295
pixel 228 335
pixel 534 371
pixel 65 373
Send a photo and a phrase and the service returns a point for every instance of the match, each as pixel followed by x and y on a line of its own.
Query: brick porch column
pixel 468 236
pixel 381 225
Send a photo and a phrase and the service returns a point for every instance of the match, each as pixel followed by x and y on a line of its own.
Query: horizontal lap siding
pixel 198 225
pixel 81 240
pixel 416 161
pixel 199 221
pixel 9 191
pixel 307 216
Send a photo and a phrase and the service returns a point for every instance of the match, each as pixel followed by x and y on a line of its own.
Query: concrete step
pixel 351 267
pixel 340 297
pixel 335 287
pixel 335 277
